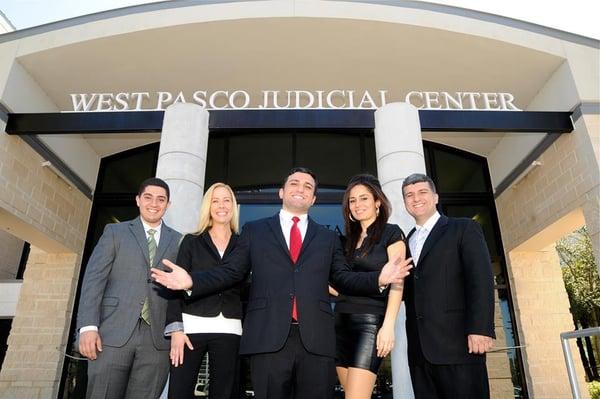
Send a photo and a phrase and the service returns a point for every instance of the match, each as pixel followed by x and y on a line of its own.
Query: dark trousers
pixel 454 381
pixel 135 370
pixel 292 372
pixel 223 367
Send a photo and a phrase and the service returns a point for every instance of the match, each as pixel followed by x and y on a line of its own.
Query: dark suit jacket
pixel 450 293
pixel 117 280
pixel 276 280
pixel 198 253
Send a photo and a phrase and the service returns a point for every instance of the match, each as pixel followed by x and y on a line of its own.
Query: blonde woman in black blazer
pixel 209 323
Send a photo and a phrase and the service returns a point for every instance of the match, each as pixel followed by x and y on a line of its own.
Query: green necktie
pixel 151 253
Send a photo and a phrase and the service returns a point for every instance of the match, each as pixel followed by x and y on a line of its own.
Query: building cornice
pixel 407 4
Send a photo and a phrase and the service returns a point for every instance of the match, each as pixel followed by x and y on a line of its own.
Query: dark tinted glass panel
pixel 509 333
pixel 124 173
pixel 250 212
pixel 333 157
pixel 5 325
pixel 426 155
pixel 457 174
pixel 480 214
pixel 259 159
pixel 370 158
pixel 329 215
pixel 216 161
pixel 112 214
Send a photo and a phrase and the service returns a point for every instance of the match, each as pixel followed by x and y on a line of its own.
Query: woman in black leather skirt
pixel 365 325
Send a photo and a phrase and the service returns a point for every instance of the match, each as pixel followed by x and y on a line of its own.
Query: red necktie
pixel 295 245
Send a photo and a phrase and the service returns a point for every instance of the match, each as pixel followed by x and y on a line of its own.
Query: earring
pixel 350 217
pixel 377 212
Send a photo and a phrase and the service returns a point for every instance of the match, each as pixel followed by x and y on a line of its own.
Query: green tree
pixel 580 274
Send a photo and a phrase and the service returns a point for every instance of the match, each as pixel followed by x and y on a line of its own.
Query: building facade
pixel 503 114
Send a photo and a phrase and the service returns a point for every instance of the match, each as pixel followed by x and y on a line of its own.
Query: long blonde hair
pixel 205 219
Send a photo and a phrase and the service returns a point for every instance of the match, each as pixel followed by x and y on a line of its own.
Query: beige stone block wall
pixel 542 305
pixel 39 207
pixel 550 202
pixel 39 198
pixel 33 364
pixel 568 179
pixel 591 209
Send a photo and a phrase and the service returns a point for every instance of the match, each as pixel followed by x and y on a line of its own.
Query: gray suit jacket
pixel 117 280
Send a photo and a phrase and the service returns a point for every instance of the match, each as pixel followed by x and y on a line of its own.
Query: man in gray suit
pixel 122 311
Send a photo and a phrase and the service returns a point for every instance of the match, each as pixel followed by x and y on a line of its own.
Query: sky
pixel 575 16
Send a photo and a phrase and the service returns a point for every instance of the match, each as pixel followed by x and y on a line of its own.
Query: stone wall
pixel 551 201
pixel 38 338
pixel 39 207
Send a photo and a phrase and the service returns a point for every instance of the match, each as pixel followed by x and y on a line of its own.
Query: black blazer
pixel 276 280
pixel 198 253
pixel 450 293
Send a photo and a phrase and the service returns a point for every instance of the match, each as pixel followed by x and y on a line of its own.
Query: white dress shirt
pixel 156 238
pixel 418 238
pixel 286 222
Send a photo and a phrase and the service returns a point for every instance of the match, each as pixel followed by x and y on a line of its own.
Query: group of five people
pixel 145 298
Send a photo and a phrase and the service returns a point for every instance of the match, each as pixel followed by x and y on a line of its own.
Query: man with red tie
pixel 289 326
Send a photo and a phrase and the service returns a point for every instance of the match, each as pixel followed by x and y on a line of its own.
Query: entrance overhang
pixel 151 121
pixel 28 126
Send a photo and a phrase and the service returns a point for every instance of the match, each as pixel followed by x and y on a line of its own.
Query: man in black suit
pixel 449 299
pixel 289 324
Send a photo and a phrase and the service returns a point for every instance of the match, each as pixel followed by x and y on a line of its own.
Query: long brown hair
pixel 352 227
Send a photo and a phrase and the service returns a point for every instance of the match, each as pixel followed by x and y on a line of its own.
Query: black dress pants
pixel 292 372
pixel 223 367
pixel 448 381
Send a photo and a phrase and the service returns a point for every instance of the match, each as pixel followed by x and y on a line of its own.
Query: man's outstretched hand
pixel 177 279
pixel 395 271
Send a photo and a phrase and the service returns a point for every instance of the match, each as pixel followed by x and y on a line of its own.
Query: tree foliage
pixel 580 274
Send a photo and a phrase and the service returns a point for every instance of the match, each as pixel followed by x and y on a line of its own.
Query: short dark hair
pixel 418 178
pixel 301 170
pixel 154 181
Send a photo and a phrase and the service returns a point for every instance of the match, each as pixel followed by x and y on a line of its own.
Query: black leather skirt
pixel 356 340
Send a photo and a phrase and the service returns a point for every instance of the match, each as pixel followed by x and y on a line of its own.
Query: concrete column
pixel 399 151
pixel 182 163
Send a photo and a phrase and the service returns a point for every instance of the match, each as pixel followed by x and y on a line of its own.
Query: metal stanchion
pixel 564 337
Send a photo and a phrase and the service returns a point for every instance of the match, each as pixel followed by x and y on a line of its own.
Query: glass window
pixel 259 159
pixel 513 354
pixel 481 214
pixel 216 161
pixel 334 158
pixel 370 157
pixel 111 214
pixel 5 326
pixel 123 173
pixel 458 174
